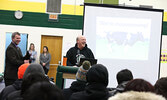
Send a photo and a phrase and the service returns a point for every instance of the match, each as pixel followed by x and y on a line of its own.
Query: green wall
pixel 41 20
pixel 164 31
pixel 104 1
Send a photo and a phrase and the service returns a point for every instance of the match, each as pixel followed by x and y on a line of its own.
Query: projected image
pixel 122 38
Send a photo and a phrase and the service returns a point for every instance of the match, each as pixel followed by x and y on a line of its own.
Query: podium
pixel 65 72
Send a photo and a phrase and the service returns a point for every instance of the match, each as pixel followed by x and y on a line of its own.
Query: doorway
pixel 54 44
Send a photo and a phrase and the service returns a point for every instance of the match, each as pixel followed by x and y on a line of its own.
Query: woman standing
pixel 45 58
pixel 32 52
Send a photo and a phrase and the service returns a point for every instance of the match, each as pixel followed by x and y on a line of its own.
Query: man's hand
pixel 44 64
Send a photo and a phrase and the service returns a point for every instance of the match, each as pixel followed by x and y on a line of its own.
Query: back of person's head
pixel 161 87
pixel 33 68
pixel 139 85
pixel 43 91
pixel 32 78
pixel 82 71
pixel 98 73
pixel 124 75
pixel 21 70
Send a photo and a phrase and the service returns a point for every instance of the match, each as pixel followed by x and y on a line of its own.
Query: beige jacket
pixel 132 95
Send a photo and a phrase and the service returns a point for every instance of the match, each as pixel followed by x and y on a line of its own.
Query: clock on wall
pixel 18 14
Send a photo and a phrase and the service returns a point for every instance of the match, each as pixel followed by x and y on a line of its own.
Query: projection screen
pixel 125 38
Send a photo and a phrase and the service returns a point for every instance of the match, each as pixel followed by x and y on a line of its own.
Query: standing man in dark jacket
pixel 79 51
pixel 14 59
pixel 97 78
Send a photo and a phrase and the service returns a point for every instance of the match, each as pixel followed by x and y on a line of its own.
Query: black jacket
pixel 11 88
pixel 97 78
pixel 14 59
pixel 16 95
pixel 76 86
pixel 119 89
pixel 74 51
pixel 92 92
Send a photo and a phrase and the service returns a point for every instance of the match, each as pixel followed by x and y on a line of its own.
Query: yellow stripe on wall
pixel 79 10
pixel 41 7
pixel 38 7
pixel 72 9
pixel 23 6
pixel 165 16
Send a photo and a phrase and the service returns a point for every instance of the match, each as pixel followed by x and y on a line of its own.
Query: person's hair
pixel 139 85
pixel 161 87
pixel 43 91
pixel 124 75
pixel 32 78
pixel 77 38
pixel 33 46
pixel 14 34
pixel 46 49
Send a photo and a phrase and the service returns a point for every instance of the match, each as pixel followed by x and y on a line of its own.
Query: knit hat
pixel 82 71
pixel 21 70
pixel 34 68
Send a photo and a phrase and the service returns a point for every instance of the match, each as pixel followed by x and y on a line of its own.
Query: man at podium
pixel 80 50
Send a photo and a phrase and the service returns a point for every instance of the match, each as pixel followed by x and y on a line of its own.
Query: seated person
pixel 139 85
pixel 43 91
pixel 31 74
pixel 80 83
pixel 16 85
pixel 97 81
pixel 161 87
pixel 138 89
pixel 29 80
pixel 123 77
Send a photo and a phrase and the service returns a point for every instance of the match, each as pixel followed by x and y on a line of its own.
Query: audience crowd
pixel 91 84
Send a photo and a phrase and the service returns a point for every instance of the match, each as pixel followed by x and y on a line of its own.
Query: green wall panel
pixel 164 32
pixel 92 1
pixel 41 20
pixel 110 1
pixel 100 1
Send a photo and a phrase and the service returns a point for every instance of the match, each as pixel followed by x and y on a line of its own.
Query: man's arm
pixel 69 58
pixel 91 54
